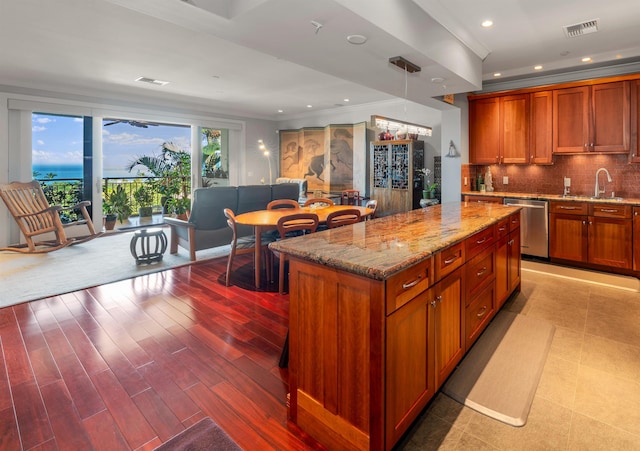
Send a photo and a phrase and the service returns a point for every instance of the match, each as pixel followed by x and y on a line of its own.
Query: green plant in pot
pixel 144 197
pixel 118 203
pixel 179 206
pixel 109 216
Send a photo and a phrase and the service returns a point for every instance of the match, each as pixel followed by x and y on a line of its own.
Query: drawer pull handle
pixel 482 271
pixel 609 210
pixel 450 260
pixel 411 284
pixel 482 312
pixel 568 208
pixel 502 229
pixel 482 240
pixel 510 243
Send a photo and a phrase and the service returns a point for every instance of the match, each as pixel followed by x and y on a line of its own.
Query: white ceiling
pixel 254 57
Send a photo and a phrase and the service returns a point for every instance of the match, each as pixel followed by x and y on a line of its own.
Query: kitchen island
pixel 382 311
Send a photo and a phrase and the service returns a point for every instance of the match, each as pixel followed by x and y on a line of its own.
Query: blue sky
pixel 57 140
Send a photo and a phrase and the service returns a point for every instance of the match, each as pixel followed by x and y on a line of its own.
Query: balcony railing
pixel 67 192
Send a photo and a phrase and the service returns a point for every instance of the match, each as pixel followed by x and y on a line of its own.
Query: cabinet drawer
pixel 478 242
pixel 610 210
pixel 483 199
pixel 514 221
pixel 502 228
pixel 449 259
pixel 478 271
pixel 478 314
pixel 406 285
pixel 569 208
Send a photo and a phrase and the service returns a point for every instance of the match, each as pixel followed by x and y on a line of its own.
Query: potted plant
pixel 179 206
pixel 144 197
pixel 109 216
pixel 428 188
pixel 119 203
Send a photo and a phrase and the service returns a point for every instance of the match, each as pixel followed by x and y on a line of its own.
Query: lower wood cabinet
pixel 410 363
pixel 449 325
pixel 636 242
pixel 595 234
pixel 508 258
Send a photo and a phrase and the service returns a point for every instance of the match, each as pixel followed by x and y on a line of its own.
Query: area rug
pixel 204 435
pixel 26 277
pixel 500 374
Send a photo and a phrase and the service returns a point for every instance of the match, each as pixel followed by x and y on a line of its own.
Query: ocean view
pixel 75 171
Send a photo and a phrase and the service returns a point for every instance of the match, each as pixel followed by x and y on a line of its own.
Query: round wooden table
pixel 268 219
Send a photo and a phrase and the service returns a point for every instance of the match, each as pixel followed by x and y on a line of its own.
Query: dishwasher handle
pixel 526 206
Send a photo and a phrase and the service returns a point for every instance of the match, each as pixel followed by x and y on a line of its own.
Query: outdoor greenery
pixel 117 202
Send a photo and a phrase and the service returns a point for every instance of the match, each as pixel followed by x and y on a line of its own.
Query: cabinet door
pixel 502 271
pixel 449 325
pixel 636 242
pixel 568 237
pixel 410 375
pixel 610 242
pixel 514 129
pixel 571 120
pixel 610 106
pixel 514 260
pixel 634 156
pixel 541 145
pixel 484 125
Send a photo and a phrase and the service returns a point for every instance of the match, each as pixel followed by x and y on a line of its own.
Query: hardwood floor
pixel 128 365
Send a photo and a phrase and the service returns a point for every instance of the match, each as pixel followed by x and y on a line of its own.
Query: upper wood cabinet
pixel 499 130
pixel 592 118
pixel 634 155
pixel 541 128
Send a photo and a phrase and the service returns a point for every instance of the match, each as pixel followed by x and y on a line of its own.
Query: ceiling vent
pixel 573 31
pixel 152 81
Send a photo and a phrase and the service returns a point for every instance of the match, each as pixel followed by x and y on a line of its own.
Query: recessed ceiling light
pixel 309 106
pixel 538 67
pixel 437 80
pixel 487 23
pixel 356 39
pixel 345 100
pixel 280 111
pixel 497 74
pixel 586 59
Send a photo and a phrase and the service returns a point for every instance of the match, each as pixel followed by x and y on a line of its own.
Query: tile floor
pixel 589 394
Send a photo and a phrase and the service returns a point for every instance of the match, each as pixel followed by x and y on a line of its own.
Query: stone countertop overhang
pixel 570 198
pixel 382 247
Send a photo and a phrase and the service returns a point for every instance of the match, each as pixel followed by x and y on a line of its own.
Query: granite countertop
pixel 385 246
pixel 570 198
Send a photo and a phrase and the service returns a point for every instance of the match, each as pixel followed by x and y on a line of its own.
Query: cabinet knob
pixel 439 298
pixel 433 304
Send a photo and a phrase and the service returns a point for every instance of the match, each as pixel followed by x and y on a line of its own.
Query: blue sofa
pixel 207 226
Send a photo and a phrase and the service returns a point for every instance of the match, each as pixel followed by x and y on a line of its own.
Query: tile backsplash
pixel 548 179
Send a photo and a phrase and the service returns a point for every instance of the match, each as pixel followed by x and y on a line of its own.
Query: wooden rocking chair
pixel 31 210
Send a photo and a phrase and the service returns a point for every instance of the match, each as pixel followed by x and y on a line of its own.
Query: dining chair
pixel 292 225
pixel 243 245
pixel 283 204
pixel 343 217
pixel 350 197
pixel 373 204
pixel 319 200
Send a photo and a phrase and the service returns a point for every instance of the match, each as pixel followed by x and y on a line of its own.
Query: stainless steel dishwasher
pixel 534 226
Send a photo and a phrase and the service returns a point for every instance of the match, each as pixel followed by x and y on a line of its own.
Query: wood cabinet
pixel 449 326
pixel 410 363
pixel 634 154
pixel 592 118
pixel 508 258
pixel 499 131
pixel 541 128
pixel 597 234
pixel 393 179
pixel 636 242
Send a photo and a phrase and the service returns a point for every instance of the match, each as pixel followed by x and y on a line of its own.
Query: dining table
pixel 262 220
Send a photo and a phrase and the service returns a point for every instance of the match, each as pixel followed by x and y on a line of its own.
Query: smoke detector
pixel 573 31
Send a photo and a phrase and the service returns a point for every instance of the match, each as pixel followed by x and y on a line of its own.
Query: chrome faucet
pixel 597 191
